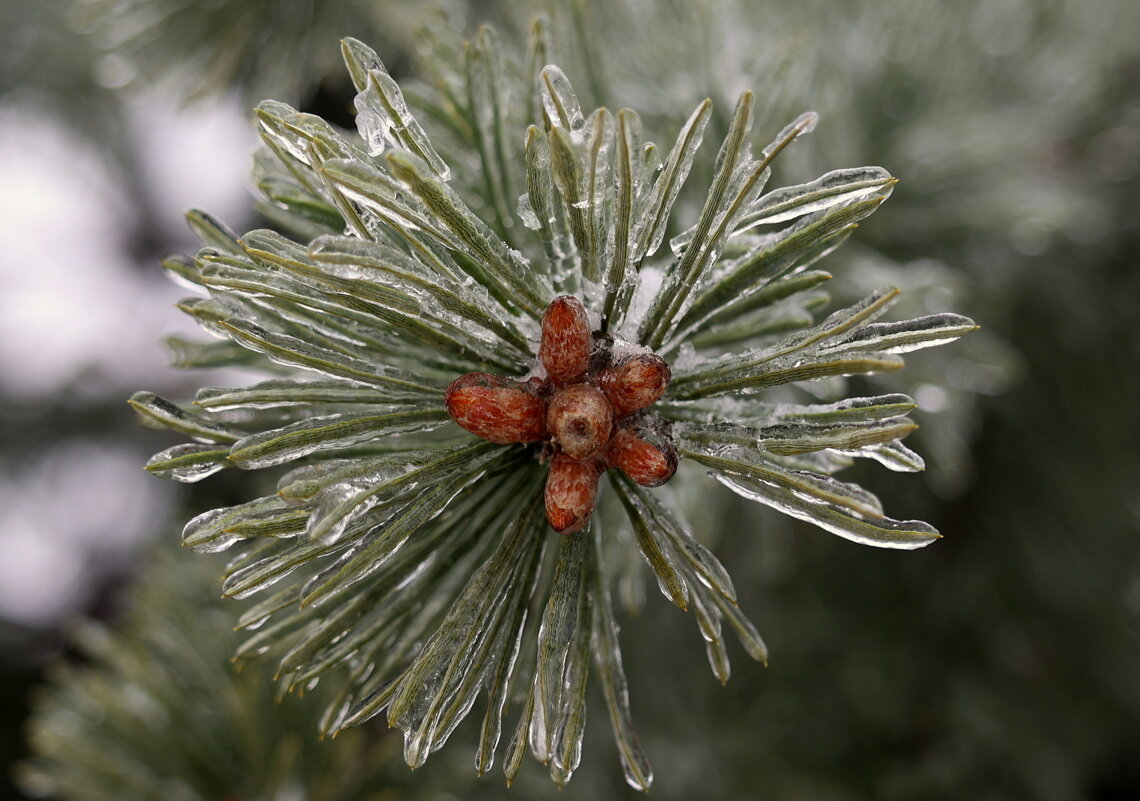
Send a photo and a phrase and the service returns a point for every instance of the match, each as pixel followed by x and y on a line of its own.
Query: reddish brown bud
pixel 565 347
pixel 634 383
pixel 650 461
pixel 496 409
pixel 571 489
pixel 579 419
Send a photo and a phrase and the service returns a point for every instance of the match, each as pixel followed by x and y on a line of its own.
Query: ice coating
pixel 597 193
pixel 384 121
pixel 649 281
pixel 559 102
pixel 425 286
pixel 830 189
pixel 525 211
pixel 374 129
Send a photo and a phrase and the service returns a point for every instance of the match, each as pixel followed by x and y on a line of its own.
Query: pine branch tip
pixel 806 122
pixel 400 194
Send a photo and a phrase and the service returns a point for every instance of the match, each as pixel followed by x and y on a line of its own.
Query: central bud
pixel 588 410
pixel 579 420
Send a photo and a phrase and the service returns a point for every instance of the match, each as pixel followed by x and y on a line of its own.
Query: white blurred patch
pixel 195 157
pixel 67 517
pixel 77 318
pixel 75 314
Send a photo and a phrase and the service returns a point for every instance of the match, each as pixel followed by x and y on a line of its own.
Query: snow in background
pixel 81 320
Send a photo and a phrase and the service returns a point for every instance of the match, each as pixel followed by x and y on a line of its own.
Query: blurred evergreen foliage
pixel 49 65
pixel 1000 663
pixel 260 48
pixel 155 710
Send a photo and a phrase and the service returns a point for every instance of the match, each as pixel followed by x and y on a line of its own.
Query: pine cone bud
pixel 648 458
pixel 634 383
pixel 565 346
pixel 495 408
pixel 571 489
pixel 579 419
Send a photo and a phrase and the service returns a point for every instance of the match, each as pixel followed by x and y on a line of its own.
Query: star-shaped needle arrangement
pixel 588 412
pixel 408 562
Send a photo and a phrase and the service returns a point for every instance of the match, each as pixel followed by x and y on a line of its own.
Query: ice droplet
pixel 374 129
pixel 526 213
